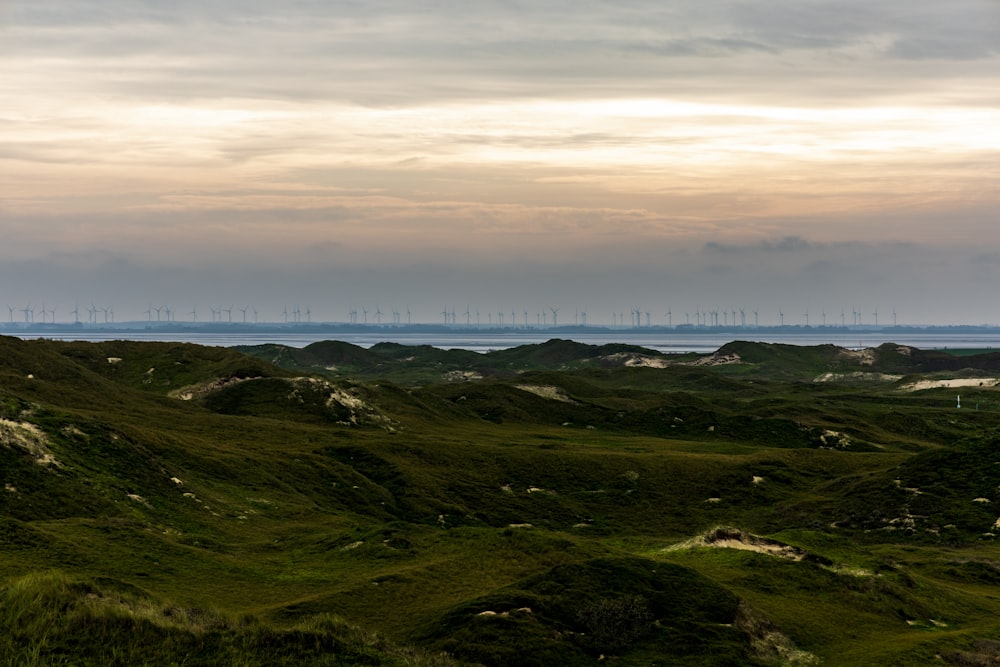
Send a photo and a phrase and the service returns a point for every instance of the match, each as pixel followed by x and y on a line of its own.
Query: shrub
pixel 614 624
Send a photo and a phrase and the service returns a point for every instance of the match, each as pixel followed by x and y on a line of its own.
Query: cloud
pixel 766 151
pixel 392 53
pixel 787 244
pixel 784 244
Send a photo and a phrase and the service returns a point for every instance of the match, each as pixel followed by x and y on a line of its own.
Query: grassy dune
pixel 553 504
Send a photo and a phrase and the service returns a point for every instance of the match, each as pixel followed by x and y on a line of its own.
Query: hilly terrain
pixel 558 503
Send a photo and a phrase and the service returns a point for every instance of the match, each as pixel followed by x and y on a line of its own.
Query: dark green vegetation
pixel 549 504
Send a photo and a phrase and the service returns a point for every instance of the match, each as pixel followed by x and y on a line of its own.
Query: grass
pixel 51 618
pixel 242 526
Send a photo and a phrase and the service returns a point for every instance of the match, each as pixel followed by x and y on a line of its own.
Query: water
pixel 663 340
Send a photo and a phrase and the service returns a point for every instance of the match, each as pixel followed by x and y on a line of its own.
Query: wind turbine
pixel 781 317
pixel 254 309
pixel 378 314
pixel 11 309
pixel 756 322
pixel 555 314
pixel 894 316
pixel 670 321
pixel 468 316
pixel 876 316
pixel 194 313
pixel 408 315
pixel 75 312
pixel 807 317
pixel 244 311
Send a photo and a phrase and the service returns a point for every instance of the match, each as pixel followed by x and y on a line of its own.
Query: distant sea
pixel 662 339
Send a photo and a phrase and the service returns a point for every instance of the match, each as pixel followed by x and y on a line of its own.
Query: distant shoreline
pixel 139 327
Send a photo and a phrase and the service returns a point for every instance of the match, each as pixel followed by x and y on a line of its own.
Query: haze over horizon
pixel 796 157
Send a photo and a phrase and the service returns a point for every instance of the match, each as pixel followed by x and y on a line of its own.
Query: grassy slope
pixel 404 525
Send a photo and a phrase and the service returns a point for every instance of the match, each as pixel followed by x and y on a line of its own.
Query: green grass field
pixel 556 504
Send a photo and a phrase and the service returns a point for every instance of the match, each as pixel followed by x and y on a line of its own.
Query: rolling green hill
pixel 552 504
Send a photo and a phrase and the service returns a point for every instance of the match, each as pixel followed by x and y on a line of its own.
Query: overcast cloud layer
pixel 779 156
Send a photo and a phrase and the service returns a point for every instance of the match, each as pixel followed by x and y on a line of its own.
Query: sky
pixel 798 158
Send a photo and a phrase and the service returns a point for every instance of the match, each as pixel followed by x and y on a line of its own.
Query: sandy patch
pixel 637 360
pixel 834 439
pixel 462 376
pixel 920 385
pixel 193 391
pixel 717 359
pixel 734 538
pixel 857 376
pixel 27 436
pixel 865 357
pixel 135 497
pixel 546 391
